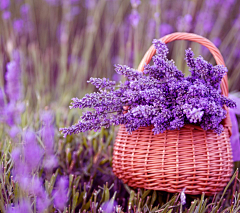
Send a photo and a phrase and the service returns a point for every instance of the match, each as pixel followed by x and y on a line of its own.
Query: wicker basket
pixel 190 157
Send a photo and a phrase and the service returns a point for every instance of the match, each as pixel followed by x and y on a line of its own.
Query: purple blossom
pixel 184 23
pixel 18 25
pixel 25 8
pixel 135 3
pixel 47 131
pixel 13 78
pixel 165 29
pixel 50 162
pixel 60 194
pixel 32 151
pixel 73 12
pixel 15 130
pixel 35 187
pixel 23 207
pixel 116 77
pixel 2 105
pixel 4 4
pixel 134 18
pixel 217 41
pixel 102 83
pixel 6 15
pixel 154 2
pixel 206 21
pixel 109 206
pixel 161 48
pixel 160 96
pixel 21 170
pixel 90 4
pixel 43 202
pixel 151 28
pixel 194 115
pixel 11 115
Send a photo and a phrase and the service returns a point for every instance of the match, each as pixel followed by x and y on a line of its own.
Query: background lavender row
pixel 66 42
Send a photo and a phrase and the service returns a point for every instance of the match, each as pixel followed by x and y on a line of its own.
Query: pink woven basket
pixel 190 157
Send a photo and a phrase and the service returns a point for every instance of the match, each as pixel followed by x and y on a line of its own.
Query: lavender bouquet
pixel 160 96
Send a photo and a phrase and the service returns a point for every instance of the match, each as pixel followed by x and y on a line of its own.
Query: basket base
pixel 191 158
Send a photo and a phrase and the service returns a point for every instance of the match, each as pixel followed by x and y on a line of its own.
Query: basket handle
pixel 190 37
pixel 205 42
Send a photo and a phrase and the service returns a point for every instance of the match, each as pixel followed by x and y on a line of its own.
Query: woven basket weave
pixel 190 157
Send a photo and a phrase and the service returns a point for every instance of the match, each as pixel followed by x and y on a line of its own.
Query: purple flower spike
pixel 47 131
pixel 60 194
pixel 32 151
pixel 135 3
pixel 160 96
pixel 90 4
pixel 25 10
pixel 2 105
pixel 154 2
pixel 23 207
pixel 4 4
pixel 50 162
pixel 108 207
pixel 18 25
pixel 165 29
pixel 6 15
pixel 43 202
pixel 36 188
pixel 13 78
pixel 14 131
pixel 134 18
pixel 184 23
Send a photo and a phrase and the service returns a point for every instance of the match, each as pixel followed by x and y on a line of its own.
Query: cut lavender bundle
pixel 160 96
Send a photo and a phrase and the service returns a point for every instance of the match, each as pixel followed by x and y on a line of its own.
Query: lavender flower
pixel 2 105
pixel 108 207
pixel 43 202
pixel 32 151
pixel 73 12
pixel 184 23
pixel 23 207
pixel 134 18
pixel 48 131
pixel 102 83
pixel 18 26
pixel 11 114
pixel 25 8
pixel 14 131
pixel 13 78
pixel 50 162
pixel 60 194
pixel 154 2
pixel 165 29
pixel 162 97
pixel 4 4
pixel 6 15
pixel 90 4
pixel 135 3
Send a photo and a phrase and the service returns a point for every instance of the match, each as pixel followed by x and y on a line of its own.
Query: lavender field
pixel 49 49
